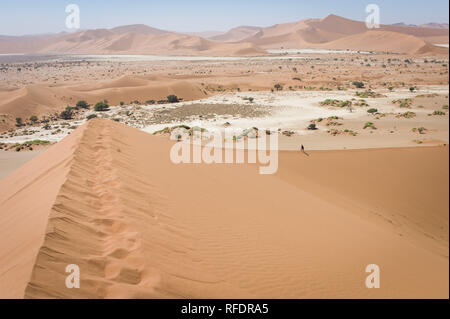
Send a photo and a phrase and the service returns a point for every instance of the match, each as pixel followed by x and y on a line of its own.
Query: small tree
pixel 412 89
pixel 278 87
pixel 67 113
pixel 82 105
pixel 19 121
pixel 358 84
pixel 173 99
pixel 101 107
pixel 312 127
pixel 33 118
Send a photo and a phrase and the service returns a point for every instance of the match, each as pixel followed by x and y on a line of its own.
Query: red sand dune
pixel 317 33
pixel 108 199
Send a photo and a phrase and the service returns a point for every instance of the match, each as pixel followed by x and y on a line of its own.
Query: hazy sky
pixel 19 17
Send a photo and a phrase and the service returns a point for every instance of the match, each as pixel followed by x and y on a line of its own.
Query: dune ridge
pixel 141 227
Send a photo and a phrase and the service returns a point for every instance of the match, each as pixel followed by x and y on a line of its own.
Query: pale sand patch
pixel 10 161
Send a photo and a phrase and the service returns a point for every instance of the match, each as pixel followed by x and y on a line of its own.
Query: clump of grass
pixel 407 115
pixel 36 142
pixel 438 112
pixel 361 103
pixel 330 102
pixel 368 93
pixel 351 132
pixel 369 125
pixel 288 133
pixel 403 103
pixel 420 130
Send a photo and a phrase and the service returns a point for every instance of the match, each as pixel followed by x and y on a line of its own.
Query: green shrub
pixel 312 127
pixel 173 99
pixel 278 87
pixel 67 113
pixel 369 125
pixel 82 105
pixel 92 116
pixel 101 107
pixel 372 111
pixel 34 118
pixel 358 84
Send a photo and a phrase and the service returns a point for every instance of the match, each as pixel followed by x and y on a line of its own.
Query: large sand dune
pixel 385 41
pixel 108 199
pixel 327 32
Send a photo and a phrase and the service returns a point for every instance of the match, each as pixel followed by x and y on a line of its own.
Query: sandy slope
pixel 110 200
pixel 26 198
pixel 385 41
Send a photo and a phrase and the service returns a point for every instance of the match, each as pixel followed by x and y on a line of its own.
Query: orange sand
pixel 108 199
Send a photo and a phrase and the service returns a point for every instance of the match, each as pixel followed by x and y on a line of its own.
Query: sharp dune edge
pixel 108 199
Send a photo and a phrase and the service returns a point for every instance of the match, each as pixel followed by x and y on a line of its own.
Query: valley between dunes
pixel 108 199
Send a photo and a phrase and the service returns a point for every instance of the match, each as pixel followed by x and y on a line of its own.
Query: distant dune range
pixel 108 199
pixel 245 40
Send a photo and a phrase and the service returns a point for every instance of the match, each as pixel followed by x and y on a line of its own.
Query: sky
pixel 19 17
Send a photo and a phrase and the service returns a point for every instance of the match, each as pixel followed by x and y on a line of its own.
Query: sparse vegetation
pixel 420 130
pixel 82 105
pixel 369 125
pixel 403 103
pixel 438 112
pixel 407 115
pixel 358 84
pixel 67 113
pixel 19 121
pixel 101 107
pixel 173 99
pixel 278 87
